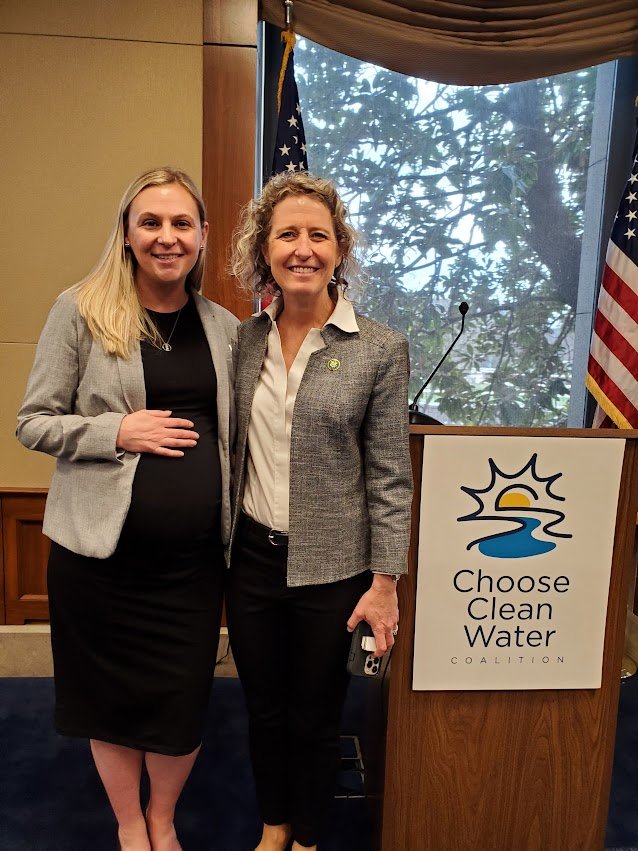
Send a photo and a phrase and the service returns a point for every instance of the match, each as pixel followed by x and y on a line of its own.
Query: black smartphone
pixel 362 660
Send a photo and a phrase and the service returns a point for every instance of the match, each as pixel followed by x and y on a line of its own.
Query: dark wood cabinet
pixel 25 550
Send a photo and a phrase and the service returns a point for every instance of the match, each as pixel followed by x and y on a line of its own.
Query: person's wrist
pixel 384 580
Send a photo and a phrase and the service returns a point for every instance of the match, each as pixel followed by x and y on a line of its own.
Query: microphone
pixel 415 416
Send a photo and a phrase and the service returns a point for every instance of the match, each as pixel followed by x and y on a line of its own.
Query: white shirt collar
pixel 343 315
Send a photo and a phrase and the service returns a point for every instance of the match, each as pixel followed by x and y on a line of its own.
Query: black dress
pixel 135 635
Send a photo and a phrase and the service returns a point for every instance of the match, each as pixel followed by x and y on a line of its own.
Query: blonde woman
pixel 131 392
pixel 322 494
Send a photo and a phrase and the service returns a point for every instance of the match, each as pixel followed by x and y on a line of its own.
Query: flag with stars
pixel 290 147
pixel 612 371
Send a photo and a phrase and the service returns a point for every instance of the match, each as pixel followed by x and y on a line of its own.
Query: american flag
pixel 290 147
pixel 612 372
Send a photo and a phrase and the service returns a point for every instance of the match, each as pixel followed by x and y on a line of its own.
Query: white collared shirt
pixel 266 494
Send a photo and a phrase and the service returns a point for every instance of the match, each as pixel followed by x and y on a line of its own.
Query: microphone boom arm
pixel 413 408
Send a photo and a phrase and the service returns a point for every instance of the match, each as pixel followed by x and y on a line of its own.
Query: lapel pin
pixel 334 364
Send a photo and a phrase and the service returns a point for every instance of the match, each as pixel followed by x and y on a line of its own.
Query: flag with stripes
pixel 290 148
pixel 612 371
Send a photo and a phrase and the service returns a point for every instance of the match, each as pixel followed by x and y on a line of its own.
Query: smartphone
pixel 362 660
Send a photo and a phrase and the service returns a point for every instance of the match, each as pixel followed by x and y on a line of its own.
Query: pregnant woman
pixel 131 392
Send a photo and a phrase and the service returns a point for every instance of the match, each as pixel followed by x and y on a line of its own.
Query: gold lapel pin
pixel 334 364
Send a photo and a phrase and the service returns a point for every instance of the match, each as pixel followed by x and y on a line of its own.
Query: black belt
pixel 274 536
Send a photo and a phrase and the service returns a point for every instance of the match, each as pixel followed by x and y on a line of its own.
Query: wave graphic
pixel 515 543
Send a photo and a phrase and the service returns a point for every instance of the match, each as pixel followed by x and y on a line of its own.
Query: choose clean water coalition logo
pixel 525 502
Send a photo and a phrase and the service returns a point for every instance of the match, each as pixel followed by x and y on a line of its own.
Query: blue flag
pixel 290 147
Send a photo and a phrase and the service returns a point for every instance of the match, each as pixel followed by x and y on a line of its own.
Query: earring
pixel 127 244
pixel 202 248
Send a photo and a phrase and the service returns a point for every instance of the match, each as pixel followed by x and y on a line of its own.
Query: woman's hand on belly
pixel 156 432
pixel 379 606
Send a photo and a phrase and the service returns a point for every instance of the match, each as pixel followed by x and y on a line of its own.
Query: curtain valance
pixel 469 43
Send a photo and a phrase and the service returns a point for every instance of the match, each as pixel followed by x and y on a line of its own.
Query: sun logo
pixel 524 501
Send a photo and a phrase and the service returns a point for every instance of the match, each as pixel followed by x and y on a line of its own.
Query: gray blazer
pixel 76 398
pixel 350 473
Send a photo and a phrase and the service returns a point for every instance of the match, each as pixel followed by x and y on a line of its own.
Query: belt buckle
pixel 273 533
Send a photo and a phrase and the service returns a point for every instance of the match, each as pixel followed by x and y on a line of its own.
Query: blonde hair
pixel 248 264
pixel 107 298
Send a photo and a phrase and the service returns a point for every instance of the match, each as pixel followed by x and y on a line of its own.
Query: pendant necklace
pixel 166 344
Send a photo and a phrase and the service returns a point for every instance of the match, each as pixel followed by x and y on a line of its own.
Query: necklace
pixel 166 344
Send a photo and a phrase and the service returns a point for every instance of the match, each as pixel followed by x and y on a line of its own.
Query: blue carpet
pixel 52 800
pixel 622 822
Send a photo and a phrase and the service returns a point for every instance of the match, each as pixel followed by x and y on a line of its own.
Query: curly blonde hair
pixel 106 297
pixel 247 262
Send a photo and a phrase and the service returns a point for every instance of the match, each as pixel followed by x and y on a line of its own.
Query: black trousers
pixel 291 648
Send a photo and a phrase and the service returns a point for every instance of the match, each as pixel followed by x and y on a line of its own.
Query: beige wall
pixel 91 94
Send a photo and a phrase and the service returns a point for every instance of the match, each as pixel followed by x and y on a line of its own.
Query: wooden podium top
pixel 506 431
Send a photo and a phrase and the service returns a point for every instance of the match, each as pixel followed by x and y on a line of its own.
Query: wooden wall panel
pixel 71 147
pixel 228 167
pixel 160 21
pixel 25 555
pixel 230 22
pixel 229 161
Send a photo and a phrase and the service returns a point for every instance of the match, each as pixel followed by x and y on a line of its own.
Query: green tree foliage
pixel 462 193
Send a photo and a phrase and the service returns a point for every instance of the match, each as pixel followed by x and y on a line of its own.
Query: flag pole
pixel 288 15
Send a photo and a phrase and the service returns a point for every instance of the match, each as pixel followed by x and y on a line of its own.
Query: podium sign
pixel 515 551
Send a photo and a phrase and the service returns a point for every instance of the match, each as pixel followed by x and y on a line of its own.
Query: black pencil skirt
pixel 134 643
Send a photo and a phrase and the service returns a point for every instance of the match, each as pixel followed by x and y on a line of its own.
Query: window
pixel 463 193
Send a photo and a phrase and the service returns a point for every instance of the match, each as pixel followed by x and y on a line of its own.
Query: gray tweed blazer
pixel 350 474
pixel 76 397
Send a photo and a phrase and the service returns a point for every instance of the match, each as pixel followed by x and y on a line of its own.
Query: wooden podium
pixel 504 770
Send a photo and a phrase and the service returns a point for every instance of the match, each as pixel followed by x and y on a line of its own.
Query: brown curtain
pixel 476 42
